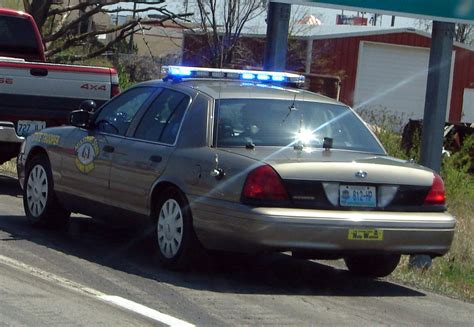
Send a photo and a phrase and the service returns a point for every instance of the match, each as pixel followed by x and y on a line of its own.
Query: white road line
pixel 145 311
pixel 116 300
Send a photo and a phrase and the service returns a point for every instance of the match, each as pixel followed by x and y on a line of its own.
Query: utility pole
pixel 130 44
pixel 278 23
pixel 436 103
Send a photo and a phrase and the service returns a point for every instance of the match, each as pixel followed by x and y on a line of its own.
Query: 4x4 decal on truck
pixel 98 87
pixel 8 81
pixel 86 151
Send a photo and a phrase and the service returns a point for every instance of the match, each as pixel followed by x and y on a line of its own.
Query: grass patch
pixel 452 274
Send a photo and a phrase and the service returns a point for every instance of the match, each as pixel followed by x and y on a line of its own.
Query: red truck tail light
pixel 115 90
pixel 437 194
pixel 263 183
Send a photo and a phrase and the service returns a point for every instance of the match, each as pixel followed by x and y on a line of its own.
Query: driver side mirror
pixel 79 118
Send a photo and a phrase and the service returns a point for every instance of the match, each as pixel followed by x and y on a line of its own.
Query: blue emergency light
pixel 177 73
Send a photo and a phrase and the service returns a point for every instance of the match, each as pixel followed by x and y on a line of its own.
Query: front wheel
pixel 39 201
pixel 378 265
pixel 175 238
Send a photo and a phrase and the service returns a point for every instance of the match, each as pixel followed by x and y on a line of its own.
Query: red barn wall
pixel 340 56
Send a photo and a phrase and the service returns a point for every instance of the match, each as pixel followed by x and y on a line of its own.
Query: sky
pixel 327 16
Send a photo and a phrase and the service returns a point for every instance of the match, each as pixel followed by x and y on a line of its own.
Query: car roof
pixel 231 89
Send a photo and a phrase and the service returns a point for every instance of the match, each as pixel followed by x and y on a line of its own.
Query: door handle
pixel 155 158
pixel 39 71
pixel 108 148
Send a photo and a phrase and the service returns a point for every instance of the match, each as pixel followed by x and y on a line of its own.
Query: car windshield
pixel 269 122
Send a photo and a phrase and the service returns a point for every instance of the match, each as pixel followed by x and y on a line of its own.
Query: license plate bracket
pixel 28 127
pixel 357 196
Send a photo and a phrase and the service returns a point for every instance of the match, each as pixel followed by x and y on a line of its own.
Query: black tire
pixel 175 242
pixel 39 200
pixel 378 265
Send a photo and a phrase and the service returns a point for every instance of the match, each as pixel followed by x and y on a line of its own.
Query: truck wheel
pixel 39 200
pixel 175 240
pixel 379 265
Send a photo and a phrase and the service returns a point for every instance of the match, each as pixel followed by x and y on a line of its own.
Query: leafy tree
pixel 65 24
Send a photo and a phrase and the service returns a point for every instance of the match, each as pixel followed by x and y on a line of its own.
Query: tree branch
pixel 76 40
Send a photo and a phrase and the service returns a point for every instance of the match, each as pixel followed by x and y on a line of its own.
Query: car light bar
pixel 183 72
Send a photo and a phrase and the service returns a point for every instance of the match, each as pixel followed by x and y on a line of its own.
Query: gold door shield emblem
pixel 86 151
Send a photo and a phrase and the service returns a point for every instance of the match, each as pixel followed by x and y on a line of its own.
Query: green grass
pixel 452 274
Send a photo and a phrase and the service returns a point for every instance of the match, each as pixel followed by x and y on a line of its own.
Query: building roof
pixel 316 32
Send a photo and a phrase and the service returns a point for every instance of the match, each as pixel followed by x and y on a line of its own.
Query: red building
pixel 379 68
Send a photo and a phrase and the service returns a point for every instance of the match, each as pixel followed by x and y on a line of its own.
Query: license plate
pixel 28 127
pixel 365 235
pixel 357 196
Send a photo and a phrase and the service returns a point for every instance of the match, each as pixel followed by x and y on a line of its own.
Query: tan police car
pixel 242 161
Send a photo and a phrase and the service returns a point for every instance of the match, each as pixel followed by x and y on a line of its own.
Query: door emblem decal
pixel 86 151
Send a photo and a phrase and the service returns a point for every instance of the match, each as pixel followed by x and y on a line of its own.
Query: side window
pixel 117 115
pixel 162 120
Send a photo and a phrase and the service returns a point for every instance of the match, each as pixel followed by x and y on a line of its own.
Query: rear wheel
pixel 39 201
pixel 378 265
pixel 175 240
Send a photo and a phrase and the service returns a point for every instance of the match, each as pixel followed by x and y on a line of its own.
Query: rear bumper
pixel 8 133
pixel 231 226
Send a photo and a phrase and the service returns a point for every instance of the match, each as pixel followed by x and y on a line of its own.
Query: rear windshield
pixel 17 35
pixel 268 122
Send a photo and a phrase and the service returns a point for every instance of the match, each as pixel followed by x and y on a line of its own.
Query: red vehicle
pixel 35 94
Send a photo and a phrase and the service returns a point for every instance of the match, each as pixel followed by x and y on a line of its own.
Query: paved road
pixel 52 277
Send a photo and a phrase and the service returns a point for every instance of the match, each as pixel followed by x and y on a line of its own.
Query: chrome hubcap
pixel 37 190
pixel 170 228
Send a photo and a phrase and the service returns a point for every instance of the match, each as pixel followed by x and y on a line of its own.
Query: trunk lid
pixel 339 166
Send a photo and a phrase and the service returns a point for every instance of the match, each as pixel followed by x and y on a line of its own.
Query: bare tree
pixel 463 33
pixel 222 23
pixel 62 23
pixel 302 20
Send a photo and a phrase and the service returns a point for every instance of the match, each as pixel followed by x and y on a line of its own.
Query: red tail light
pixel 436 195
pixel 263 183
pixel 115 90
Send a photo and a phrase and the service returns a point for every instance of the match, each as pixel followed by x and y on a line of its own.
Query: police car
pixel 242 161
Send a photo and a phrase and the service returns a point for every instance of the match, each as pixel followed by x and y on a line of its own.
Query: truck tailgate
pixel 48 92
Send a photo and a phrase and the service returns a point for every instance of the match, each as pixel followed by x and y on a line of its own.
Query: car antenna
pixel 218 173
pixel 216 118
pixel 291 108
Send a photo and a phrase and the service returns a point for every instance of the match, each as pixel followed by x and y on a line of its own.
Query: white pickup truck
pixel 35 94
